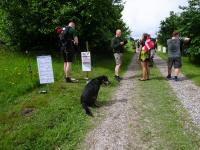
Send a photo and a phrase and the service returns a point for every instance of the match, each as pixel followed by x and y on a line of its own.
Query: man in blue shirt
pixel 174 54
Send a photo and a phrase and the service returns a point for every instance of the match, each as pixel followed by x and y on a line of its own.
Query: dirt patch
pixel 27 111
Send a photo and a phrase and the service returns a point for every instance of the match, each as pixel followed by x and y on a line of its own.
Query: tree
pixel 167 27
pixel 188 23
pixel 29 23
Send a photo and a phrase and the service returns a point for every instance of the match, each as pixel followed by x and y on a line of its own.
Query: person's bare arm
pixel 186 39
pixel 76 40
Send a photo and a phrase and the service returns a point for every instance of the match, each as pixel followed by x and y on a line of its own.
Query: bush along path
pixel 186 91
pixel 142 115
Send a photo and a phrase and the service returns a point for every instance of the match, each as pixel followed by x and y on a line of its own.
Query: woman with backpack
pixel 144 56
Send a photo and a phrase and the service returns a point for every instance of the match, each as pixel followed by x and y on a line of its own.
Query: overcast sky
pixel 145 15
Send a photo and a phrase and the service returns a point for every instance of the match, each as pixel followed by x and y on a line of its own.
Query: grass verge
pixel 165 124
pixel 29 120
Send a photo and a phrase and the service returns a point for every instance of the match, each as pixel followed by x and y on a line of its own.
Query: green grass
pixel 165 123
pixel 189 69
pixel 57 119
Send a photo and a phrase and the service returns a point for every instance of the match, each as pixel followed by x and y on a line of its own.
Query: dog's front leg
pixel 95 102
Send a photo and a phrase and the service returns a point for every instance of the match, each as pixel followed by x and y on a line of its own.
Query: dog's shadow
pixel 111 102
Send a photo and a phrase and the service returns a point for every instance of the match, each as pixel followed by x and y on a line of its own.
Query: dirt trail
pixel 115 131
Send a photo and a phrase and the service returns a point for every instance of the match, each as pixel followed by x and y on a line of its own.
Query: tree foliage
pixel 29 23
pixel 187 22
pixel 167 27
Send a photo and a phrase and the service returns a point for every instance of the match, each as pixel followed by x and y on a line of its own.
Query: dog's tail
pixel 87 109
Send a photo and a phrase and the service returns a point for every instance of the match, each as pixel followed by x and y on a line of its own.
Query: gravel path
pixel 186 91
pixel 115 131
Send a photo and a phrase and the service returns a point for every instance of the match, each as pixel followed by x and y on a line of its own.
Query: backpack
pixel 146 49
pixel 63 33
pixel 149 45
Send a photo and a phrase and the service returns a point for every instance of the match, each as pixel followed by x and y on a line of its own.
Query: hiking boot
pixel 169 77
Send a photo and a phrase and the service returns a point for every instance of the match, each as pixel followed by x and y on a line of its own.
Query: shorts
pixel 118 58
pixel 176 62
pixel 146 60
pixel 68 55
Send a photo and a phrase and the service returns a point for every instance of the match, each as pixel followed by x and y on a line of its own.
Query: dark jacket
pixel 117 47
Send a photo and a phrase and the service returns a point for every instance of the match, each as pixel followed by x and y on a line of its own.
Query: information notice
pixel 86 61
pixel 45 69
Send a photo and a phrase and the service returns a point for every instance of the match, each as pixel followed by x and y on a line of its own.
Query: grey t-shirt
pixel 174 47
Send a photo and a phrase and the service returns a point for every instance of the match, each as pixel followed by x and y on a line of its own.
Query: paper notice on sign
pixel 86 61
pixel 45 69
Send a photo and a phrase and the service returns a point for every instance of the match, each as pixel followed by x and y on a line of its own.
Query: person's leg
pixel 118 61
pixel 177 71
pixel 69 60
pixel 148 69
pixel 144 70
pixel 117 69
pixel 170 64
pixel 65 66
pixel 68 69
pixel 177 67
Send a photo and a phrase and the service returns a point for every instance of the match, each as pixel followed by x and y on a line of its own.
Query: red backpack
pixel 149 44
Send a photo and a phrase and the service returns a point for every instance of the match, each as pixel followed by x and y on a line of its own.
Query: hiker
pixel 68 39
pixel 144 56
pixel 174 54
pixel 118 48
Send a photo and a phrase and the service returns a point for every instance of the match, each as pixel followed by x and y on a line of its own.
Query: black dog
pixel 90 93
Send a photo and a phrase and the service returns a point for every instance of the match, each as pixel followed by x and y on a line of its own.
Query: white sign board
pixel 86 61
pixel 164 50
pixel 159 48
pixel 45 69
